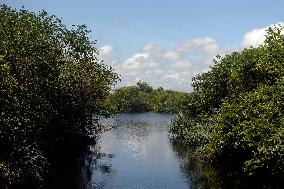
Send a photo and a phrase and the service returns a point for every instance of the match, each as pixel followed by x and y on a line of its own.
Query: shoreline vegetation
pixel 52 84
pixel 54 91
pixel 235 114
pixel 143 98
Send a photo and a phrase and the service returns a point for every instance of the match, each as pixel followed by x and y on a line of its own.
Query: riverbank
pixel 235 114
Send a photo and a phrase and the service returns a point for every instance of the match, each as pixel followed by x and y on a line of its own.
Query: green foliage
pixel 195 131
pixel 143 98
pixel 51 83
pixel 167 101
pixel 251 129
pixel 144 87
pixel 130 99
pixel 235 111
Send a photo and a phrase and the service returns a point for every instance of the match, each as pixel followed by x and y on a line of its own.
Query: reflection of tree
pixel 132 126
pixel 201 174
pixel 72 172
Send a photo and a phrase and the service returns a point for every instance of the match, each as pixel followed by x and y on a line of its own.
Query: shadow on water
pixel 78 172
pixel 202 174
pixel 137 153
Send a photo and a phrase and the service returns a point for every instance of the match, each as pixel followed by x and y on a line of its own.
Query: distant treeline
pixel 143 98
pixel 51 85
pixel 236 112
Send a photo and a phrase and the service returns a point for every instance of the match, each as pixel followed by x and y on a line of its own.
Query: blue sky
pixel 165 42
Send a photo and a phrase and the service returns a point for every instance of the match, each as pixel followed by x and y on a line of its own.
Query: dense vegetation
pixel 54 90
pixel 51 86
pixel 143 98
pixel 235 113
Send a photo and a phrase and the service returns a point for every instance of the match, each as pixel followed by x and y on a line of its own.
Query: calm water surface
pixel 137 153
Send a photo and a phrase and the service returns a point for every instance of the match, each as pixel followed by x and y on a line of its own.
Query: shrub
pixel 51 84
pixel 251 130
pixel 243 95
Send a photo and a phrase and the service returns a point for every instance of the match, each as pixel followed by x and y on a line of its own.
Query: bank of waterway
pixel 137 153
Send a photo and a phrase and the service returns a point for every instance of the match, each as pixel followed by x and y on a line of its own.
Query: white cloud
pixel 255 37
pixel 172 56
pixel 174 68
pixel 151 47
pixel 174 76
pixel 106 50
pixel 106 54
pixel 181 64
pixel 169 68
pixel 201 46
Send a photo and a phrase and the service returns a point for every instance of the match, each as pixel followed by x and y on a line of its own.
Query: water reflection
pixel 199 174
pixel 202 174
pixel 137 153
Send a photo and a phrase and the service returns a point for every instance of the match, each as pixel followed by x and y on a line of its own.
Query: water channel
pixel 138 154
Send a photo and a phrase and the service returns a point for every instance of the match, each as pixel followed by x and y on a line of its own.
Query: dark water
pixel 137 153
